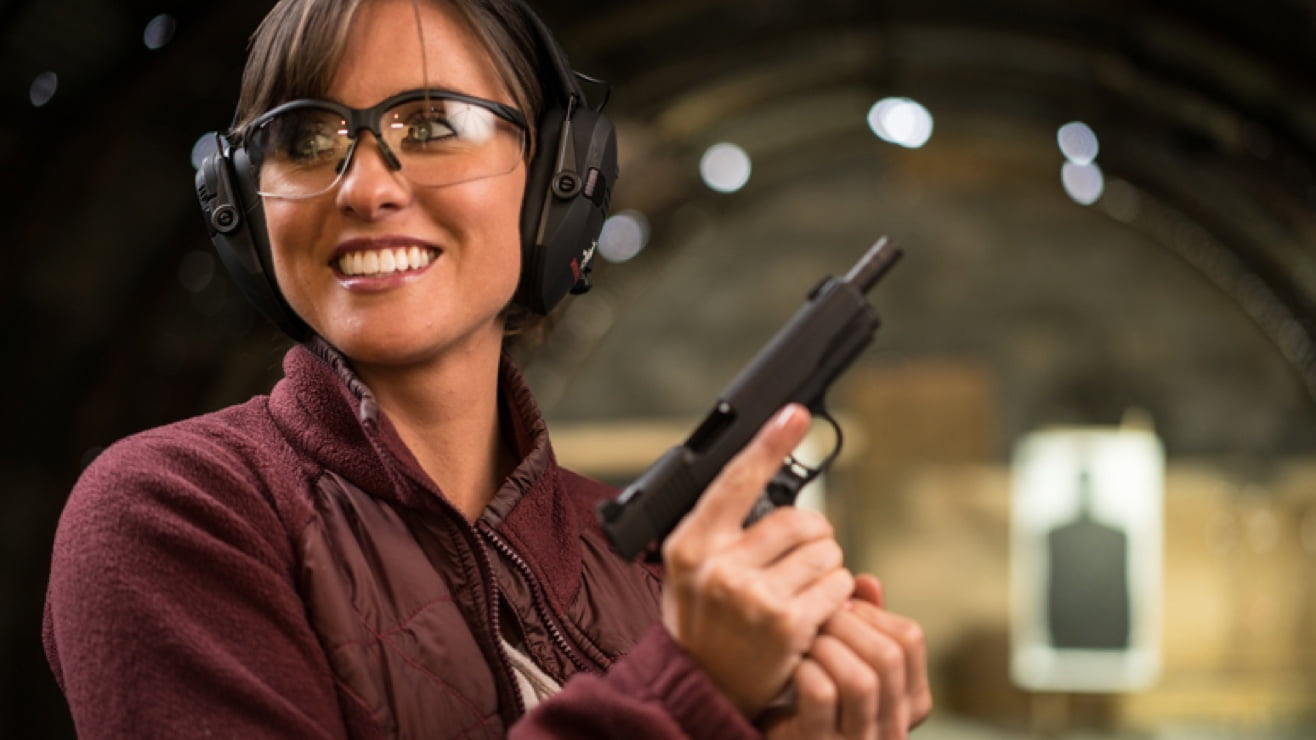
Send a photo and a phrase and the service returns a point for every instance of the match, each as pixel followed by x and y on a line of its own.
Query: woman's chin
pixel 401 349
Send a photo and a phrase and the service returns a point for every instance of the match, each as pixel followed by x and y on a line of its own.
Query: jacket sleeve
pixel 655 691
pixel 172 610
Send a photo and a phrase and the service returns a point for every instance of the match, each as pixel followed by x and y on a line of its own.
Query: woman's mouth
pixel 381 262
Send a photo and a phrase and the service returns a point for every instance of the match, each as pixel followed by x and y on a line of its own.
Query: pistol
pixel 797 365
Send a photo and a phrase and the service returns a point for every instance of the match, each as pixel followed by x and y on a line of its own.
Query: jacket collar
pixel 330 415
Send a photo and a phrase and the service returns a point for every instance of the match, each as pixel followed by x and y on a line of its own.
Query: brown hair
pixel 296 50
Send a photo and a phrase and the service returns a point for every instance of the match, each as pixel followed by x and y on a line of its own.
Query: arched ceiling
pixel 1188 289
pixel 1205 110
pixel 1208 138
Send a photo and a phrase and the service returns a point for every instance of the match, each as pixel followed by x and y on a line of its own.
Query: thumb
pixel 867 588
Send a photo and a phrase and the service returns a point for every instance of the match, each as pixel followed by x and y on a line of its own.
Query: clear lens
pixel 436 141
pixel 444 142
pixel 300 151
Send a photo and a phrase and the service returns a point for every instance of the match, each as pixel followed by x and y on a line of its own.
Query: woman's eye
pixel 311 145
pixel 423 130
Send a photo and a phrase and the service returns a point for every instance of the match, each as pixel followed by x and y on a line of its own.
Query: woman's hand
pixel 747 603
pixel 864 677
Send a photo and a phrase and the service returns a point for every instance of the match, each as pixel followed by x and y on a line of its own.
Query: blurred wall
pixel 1185 290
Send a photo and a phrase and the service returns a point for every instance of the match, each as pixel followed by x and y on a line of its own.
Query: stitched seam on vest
pixel 478 723
pixel 424 670
pixel 390 631
pixel 346 689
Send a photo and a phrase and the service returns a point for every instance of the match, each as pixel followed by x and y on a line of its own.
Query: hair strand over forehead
pixel 293 54
pixel 296 50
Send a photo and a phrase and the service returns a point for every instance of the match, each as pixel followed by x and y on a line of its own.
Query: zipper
pixel 484 570
pixel 495 623
pixel 483 567
pixel 539 600
pixel 368 416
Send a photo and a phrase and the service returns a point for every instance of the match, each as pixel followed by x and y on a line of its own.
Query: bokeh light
pixel 725 167
pixel 202 148
pixel 624 235
pixel 1078 142
pixel 901 121
pixel 159 31
pixel 1120 200
pixel 43 88
pixel 1083 182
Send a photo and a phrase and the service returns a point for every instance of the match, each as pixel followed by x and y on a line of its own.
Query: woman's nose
pixel 370 187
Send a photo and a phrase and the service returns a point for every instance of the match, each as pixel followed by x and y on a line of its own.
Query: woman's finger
pixel 819 601
pixel 815 701
pixel 868 588
pixel 778 532
pixel 802 566
pixel 720 512
pixel 912 644
pixel 885 657
pixel 858 687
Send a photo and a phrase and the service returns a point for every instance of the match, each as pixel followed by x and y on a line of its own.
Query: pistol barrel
pixel 798 364
pixel 874 264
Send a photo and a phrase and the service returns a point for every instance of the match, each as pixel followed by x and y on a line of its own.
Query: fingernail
pixel 785 416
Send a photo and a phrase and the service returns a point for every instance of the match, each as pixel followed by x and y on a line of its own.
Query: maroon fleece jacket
pixel 173 607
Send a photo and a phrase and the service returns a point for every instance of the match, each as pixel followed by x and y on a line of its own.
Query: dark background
pixel 119 320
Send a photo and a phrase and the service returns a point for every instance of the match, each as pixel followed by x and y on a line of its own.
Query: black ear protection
pixel 235 218
pixel 568 187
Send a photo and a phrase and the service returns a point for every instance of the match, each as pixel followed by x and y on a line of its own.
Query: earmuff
pixel 235 218
pixel 568 188
pixel 568 185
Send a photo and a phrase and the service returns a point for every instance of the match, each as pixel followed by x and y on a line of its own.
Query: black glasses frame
pixel 369 118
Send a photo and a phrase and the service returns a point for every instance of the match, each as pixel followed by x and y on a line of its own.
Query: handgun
pixel 797 365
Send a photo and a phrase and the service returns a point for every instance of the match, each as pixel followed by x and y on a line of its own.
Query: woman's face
pixel 470 231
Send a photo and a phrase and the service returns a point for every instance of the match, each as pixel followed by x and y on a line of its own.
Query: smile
pixel 370 262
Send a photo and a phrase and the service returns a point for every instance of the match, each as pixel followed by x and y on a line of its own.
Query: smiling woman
pixel 393 322
pixel 385 545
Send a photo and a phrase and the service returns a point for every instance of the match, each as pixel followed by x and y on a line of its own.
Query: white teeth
pixel 385 261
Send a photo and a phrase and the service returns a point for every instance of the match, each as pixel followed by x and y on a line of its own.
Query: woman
pixel 385 546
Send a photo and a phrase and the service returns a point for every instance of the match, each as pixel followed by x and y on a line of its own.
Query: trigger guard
pixel 831 456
